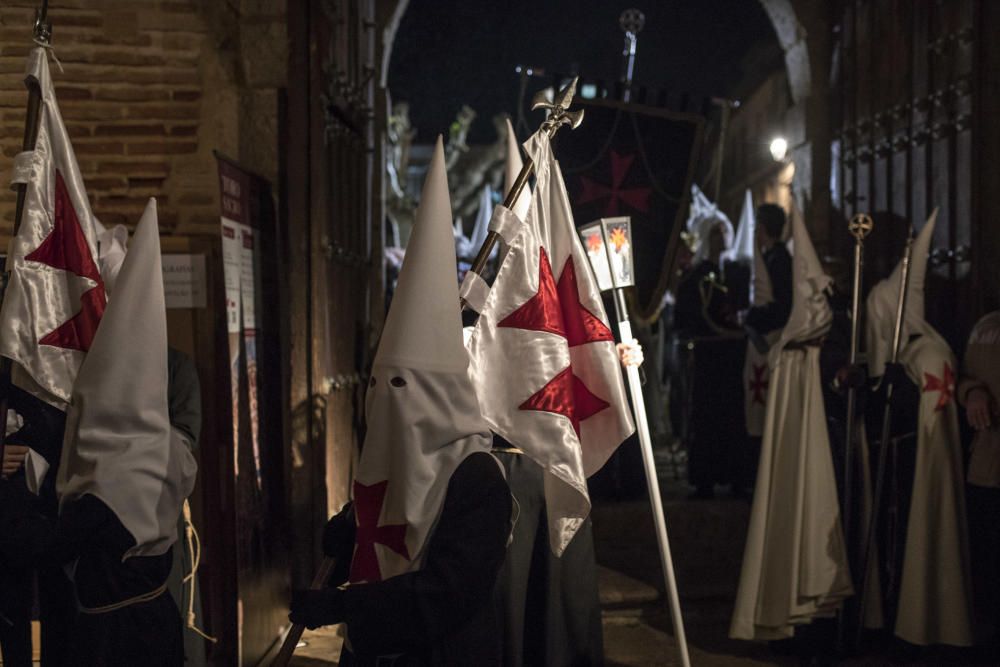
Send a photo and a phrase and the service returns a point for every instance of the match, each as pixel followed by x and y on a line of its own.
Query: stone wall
pixel 150 89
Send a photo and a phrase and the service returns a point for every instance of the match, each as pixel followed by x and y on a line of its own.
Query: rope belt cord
pixel 508 450
pixel 194 548
pixel 138 599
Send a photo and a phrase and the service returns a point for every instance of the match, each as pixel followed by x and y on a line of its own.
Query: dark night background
pixel 453 52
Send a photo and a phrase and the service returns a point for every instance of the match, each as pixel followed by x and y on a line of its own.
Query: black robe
pixel 774 315
pixel 548 605
pixel 91 539
pixel 704 315
pixel 43 432
pixel 441 614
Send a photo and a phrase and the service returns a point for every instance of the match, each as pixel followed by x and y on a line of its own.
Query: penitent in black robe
pixel 90 539
pixel 443 613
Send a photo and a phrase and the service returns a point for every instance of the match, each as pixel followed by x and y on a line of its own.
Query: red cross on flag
pixel 56 297
pixel 543 355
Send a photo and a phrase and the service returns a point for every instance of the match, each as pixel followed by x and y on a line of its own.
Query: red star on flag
pixel 66 249
pixel 944 384
pixel 541 312
pixel 758 384
pixel 636 197
pixel 581 325
pixel 565 394
pixel 368 501
pixel 556 309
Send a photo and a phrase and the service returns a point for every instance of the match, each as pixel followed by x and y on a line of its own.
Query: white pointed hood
pixel 742 250
pixel 421 408
pixel 512 169
pixel 119 445
pixel 884 297
pixel 112 244
pixel 703 218
pixel 811 315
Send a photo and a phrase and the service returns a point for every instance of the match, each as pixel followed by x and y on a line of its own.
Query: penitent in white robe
pixel 795 562
pixel 935 600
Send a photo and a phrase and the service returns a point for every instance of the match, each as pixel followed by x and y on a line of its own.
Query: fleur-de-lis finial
pixel 559 113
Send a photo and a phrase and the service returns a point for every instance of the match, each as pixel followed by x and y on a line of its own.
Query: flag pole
pixel 868 550
pixel 42 37
pixel 860 227
pixel 295 632
pixel 559 115
pixel 652 481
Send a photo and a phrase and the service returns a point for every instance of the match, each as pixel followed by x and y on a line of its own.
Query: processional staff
pixel 42 37
pixel 614 269
pixel 868 551
pixel 859 227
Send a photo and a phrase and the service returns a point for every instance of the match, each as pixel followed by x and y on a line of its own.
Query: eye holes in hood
pixel 397 382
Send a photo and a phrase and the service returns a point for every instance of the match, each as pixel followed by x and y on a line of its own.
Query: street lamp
pixel 779 148
pixel 608 242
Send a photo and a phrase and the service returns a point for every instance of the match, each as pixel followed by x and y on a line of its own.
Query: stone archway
pixel 792 38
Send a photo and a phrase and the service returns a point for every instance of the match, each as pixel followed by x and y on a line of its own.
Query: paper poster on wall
pixel 234 195
pixel 184 281
pixel 248 292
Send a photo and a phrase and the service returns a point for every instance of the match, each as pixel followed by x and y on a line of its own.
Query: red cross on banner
pixel 636 197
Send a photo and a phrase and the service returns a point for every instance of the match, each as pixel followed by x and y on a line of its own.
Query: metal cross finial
pixel 632 20
pixel 559 113
pixel 860 226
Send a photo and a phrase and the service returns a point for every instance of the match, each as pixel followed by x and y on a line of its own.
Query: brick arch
pixel 792 38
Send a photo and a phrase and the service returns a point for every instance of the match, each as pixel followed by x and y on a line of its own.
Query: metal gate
pixel 905 74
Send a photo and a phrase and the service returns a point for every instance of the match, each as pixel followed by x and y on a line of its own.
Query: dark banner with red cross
pixel 628 159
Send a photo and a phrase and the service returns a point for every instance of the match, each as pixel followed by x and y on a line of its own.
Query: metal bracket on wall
pixel 342 382
pixel 339 254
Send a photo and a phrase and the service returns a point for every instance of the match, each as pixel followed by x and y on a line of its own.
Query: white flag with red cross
pixel 56 297
pixel 543 356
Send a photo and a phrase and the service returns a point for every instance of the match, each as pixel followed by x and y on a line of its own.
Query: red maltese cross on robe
pixel 368 502
pixel 636 197
pixel 66 249
pixel 944 384
pixel 758 384
pixel 556 309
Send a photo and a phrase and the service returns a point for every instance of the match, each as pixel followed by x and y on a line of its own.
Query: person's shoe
pixel 702 493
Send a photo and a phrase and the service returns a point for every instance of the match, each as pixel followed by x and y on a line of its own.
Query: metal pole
pixel 727 106
pixel 868 551
pixel 631 22
pixel 42 35
pixel 655 501
pixel 295 632
pixel 559 115
pixel 860 227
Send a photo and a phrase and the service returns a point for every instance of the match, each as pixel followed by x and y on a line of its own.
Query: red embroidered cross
pixel 368 501
pixel 944 384
pixel 758 384
pixel 636 197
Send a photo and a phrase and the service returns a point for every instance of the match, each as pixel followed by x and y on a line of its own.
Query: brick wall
pixel 150 88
